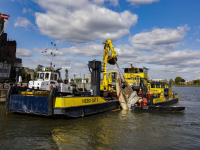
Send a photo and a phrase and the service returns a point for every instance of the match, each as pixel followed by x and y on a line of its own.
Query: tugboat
pixel 60 99
pixel 49 78
pixel 137 78
pixel 137 93
pixel 161 92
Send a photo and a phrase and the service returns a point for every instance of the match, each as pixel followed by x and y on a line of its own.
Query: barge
pixel 54 102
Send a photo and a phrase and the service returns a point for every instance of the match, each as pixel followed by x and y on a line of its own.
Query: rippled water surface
pixel 108 130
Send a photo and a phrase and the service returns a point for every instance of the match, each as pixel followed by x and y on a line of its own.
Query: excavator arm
pixel 109 56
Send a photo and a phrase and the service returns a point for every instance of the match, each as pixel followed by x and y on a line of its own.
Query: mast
pixel 52 55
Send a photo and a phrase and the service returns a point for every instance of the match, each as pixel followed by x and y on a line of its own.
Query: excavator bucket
pixel 112 60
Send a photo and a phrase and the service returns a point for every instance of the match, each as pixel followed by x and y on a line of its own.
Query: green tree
pixel 198 81
pixel 86 80
pixel 165 80
pixel 39 68
pixel 24 76
pixel 182 80
pixel 195 81
pixel 177 80
pixel 78 80
pixel 171 81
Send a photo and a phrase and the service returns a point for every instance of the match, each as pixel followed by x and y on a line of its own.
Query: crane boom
pixel 109 56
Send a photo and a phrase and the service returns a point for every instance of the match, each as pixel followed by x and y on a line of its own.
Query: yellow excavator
pixel 107 85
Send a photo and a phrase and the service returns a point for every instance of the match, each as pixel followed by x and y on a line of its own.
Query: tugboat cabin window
pixel 40 75
pixel 46 76
pixel 157 85
pixel 113 77
pixel 152 85
pixel 53 76
pixel 126 70
pixel 145 71
pixel 162 86
pixel 140 70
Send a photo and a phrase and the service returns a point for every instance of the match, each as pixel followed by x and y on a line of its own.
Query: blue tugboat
pixel 55 102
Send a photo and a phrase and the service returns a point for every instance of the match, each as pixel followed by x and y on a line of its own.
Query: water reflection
pixel 108 130
pixel 94 132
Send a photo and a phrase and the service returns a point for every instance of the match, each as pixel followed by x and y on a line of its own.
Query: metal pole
pixel 52 55
pixel 84 83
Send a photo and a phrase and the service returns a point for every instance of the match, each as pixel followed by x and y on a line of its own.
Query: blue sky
pixel 163 35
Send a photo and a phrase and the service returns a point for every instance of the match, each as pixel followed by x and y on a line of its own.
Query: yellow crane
pixel 109 56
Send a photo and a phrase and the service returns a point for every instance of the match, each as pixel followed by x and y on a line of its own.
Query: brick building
pixel 8 57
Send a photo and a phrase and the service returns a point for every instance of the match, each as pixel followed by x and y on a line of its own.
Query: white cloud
pixel 159 41
pixel 25 10
pixel 101 2
pixel 126 51
pixel 137 2
pixel 197 40
pixel 83 21
pixel 114 2
pixel 160 36
pixel 84 50
pixel 22 22
pixel 173 58
pixel 23 52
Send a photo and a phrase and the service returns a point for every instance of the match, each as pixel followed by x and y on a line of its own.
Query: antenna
pixel 52 54
pixel 131 63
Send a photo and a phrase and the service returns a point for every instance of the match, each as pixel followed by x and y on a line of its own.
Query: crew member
pixel 148 95
pixel 111 91
pixel 140 93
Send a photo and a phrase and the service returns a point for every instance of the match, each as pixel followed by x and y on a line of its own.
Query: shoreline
pixel 185 85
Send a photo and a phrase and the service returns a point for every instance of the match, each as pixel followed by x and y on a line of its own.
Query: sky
pixel 163 35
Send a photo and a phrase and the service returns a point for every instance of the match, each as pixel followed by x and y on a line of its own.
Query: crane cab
pixel 136 77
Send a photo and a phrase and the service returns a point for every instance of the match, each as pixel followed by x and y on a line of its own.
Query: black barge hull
pixel 158 109
pixel 168 102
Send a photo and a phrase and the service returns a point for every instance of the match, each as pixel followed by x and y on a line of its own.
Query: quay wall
pixel 3 90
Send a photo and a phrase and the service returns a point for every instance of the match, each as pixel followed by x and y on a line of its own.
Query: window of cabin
pixel 152 85
pixel 40 75
pixel 145 71
pixel 53 76
pixel 162 86
pixel 135 70
pixel 140 70
pixel 113 77
pixel 131 70
pixel 126 70
pixel 157 85
pixel 47 76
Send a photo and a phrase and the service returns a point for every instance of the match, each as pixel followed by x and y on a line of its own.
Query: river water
pixel 109 130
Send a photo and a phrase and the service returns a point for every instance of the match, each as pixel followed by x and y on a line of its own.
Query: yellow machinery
pixel 109 56
pixel 161 91
pixel 136 77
